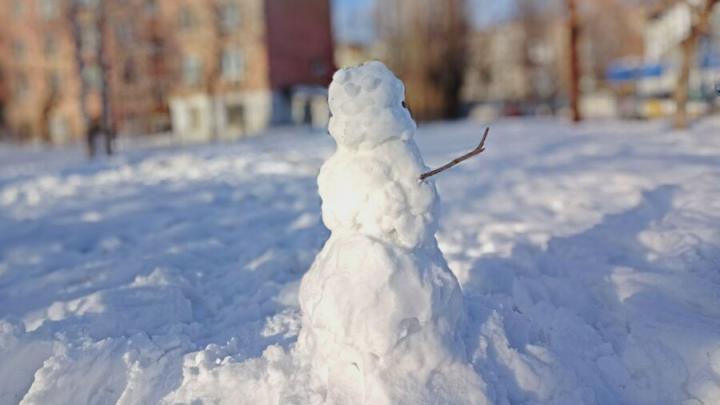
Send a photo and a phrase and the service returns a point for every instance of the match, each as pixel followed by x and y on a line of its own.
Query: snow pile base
pixel 587 254
pixel 381 309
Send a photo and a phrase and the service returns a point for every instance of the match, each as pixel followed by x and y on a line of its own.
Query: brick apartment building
pixel 208 68
pixel 39 75
pixel 140 71
pixel 245 65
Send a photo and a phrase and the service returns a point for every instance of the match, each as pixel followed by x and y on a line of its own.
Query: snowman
pixel 381 309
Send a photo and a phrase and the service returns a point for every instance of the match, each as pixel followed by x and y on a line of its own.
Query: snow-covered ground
pixel 589 258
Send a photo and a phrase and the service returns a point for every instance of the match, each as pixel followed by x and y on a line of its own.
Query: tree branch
pixel 478 150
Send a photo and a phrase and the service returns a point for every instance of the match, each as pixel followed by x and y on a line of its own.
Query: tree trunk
pixel 682 87
pixel 47 107
pixel 106 121
pixel 80 67
pixel 574 31
pixel 689 48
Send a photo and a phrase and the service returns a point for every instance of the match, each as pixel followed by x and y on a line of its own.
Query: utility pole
pixel 574 33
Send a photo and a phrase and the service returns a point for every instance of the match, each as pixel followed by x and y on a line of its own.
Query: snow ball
pixel 367 106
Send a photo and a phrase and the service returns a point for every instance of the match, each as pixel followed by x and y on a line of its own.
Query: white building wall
pixel 193 116
pixel 309 105
pixel 665 33
pixel 190 117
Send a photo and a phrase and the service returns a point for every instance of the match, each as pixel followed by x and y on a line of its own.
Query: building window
pixel 157 46
pixel 187 19
pixel 129 71
pixel 124 33
pixel 18 8
pixel 191 70
pixel 50 47
pixel 54 82
pixel 232 64
pixel 58 128
pixel 235 115
pixel 19 49
pixel 151 7
pixel 194 118
pixel 22 86
pixel 229 16
pixel 89 38
pixel 92 76
pixel 49 9
pixel 319 68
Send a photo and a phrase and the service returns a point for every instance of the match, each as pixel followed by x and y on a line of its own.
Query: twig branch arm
pixel 478 150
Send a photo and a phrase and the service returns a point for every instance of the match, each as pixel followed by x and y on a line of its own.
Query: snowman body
pixel 381 309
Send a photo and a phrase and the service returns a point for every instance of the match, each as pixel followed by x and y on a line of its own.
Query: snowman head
pixel 367 106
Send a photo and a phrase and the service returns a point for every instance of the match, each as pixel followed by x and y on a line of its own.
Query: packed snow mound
pixel 381 325
pixel 381 309
pixel 370 185
pixel 589 270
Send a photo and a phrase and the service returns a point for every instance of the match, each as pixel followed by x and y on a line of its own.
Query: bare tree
pixel 534 25
pixel 699 26
pixel 224 17
pixel 425 44
pixel 541 55
pixel 612 29
pixel 3 99
pixel 76 28
pixel 449 56
pixel 78 17
pixel 214 71
pixel 49 102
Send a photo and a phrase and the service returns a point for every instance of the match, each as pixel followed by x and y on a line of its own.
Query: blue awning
pixel 621 72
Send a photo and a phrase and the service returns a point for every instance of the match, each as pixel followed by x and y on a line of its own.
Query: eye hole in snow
pixel 405 106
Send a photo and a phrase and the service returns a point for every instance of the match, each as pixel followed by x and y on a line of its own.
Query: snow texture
pixel 588 257
pixel 381 310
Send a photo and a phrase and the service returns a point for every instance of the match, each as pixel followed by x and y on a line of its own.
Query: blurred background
pixel 95 71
